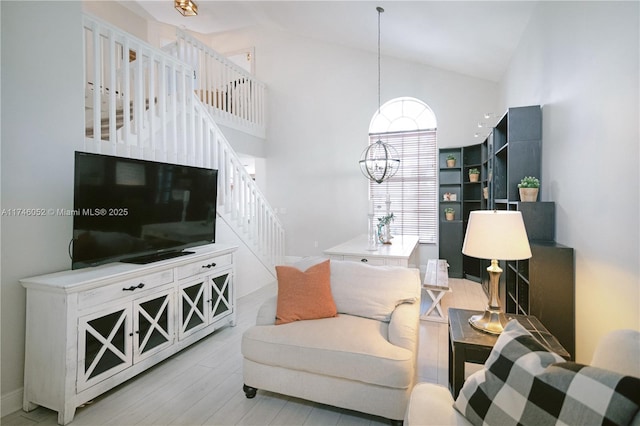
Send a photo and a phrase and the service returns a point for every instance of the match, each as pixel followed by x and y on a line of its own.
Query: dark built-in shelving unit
pixel 451 231
pixel 542 286
pixel 517 152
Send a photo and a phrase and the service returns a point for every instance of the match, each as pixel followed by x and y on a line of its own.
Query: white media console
pixel 91 329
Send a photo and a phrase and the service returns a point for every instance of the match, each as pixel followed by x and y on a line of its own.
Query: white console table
pixel 88 330
pixel 401 252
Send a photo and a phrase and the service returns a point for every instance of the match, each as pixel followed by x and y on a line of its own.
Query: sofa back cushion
pixel 619 351
pixel 372 291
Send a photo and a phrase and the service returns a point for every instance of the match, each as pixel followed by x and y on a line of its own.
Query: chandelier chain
pixel 380 10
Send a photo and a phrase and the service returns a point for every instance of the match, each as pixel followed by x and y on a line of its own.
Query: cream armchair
pixel 364 359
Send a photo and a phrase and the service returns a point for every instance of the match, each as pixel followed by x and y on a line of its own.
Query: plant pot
pixel 451 163
pixel 528 194
pixel 384 234
pixel 449 216
pixel 474 177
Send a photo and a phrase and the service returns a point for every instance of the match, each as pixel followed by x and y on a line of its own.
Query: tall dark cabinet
pixel 456 191
pixel 542 286
pixel 475 156
pixel 451 232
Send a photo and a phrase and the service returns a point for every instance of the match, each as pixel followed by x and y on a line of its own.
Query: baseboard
pixel 11 402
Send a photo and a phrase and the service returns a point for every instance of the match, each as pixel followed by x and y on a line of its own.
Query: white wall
pixel 321 98
pixel 118 15
pixel 42 120
pixel 580 61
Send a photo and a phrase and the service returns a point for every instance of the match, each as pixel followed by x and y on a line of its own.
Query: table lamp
pixel 493 234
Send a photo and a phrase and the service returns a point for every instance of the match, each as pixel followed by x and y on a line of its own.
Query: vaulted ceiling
pixel 475 38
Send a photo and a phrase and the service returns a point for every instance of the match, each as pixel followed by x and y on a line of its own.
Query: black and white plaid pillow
pixel 525 384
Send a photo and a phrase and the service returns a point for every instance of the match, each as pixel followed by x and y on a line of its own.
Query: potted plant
pixel 529 187
pixel 474 175
pixel 451 160
pixel 449 213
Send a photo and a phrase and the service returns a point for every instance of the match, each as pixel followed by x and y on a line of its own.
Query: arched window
pixel 409 125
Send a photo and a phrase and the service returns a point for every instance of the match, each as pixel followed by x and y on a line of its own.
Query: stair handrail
pixel 176 127
pixel 233 95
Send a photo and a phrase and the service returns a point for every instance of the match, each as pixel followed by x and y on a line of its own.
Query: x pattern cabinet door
pixel 104 346
pixel 152 324
pixel 193 316
pixel 220 296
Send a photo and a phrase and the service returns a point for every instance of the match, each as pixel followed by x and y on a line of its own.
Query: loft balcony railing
pixel 232 95
pixel 141 102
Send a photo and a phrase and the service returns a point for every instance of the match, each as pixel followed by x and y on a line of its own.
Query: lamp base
pixel 491 321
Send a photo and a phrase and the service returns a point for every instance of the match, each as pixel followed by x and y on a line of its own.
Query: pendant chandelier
pixel 379 161
pixel 186 7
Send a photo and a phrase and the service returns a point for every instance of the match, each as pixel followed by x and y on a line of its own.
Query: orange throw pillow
pixel 304 295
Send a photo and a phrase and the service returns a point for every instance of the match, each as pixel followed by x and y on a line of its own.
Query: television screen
pixel 139 211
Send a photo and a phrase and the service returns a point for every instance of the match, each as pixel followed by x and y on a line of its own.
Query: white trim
pixel 11 402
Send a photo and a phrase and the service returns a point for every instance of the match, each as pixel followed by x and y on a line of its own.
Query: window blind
pixel 413 189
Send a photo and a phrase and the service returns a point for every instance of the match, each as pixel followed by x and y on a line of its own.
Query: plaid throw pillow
pixel 525 384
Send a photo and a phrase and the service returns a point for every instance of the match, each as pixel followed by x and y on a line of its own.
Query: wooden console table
pixel 401 252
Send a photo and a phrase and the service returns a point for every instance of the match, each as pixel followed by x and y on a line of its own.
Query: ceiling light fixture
pixel 186 7
pixel 379 161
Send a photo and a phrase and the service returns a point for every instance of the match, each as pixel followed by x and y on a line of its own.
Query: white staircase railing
pixel 143 99
pixel 232 95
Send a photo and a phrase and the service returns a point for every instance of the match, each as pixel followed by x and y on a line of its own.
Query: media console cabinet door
pixel 104 345
pixel 153 320
pixel 192 306
pixel 111 340
pixel 220 302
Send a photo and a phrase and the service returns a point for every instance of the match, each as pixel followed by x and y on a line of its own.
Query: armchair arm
pixel 267 312
pixel 432 404
pixel 404 326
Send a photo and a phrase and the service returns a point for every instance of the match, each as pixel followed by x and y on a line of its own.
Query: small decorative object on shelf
pixel 451 160
pixel 528 188
pixel 449 196
pixel 474 175
pixel 384 229
pixel 449 213
pixel 485 192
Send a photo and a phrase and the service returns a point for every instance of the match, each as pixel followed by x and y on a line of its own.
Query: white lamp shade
pixel 496 234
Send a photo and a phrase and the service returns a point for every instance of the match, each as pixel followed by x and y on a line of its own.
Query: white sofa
pixel 364 359
pixel 431 404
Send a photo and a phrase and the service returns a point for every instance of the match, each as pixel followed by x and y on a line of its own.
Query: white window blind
pixel 413 189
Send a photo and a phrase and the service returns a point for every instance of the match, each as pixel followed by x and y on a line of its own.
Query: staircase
pixel 192 88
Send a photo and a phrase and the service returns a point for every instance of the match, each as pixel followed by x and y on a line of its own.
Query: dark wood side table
pixel 467 344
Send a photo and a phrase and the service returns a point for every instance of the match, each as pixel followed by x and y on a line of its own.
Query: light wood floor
pixel 202 385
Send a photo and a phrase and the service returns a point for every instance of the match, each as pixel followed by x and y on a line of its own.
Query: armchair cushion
pixel 304 295
pixel 524 383
pixel 363 290
pixel 347 346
